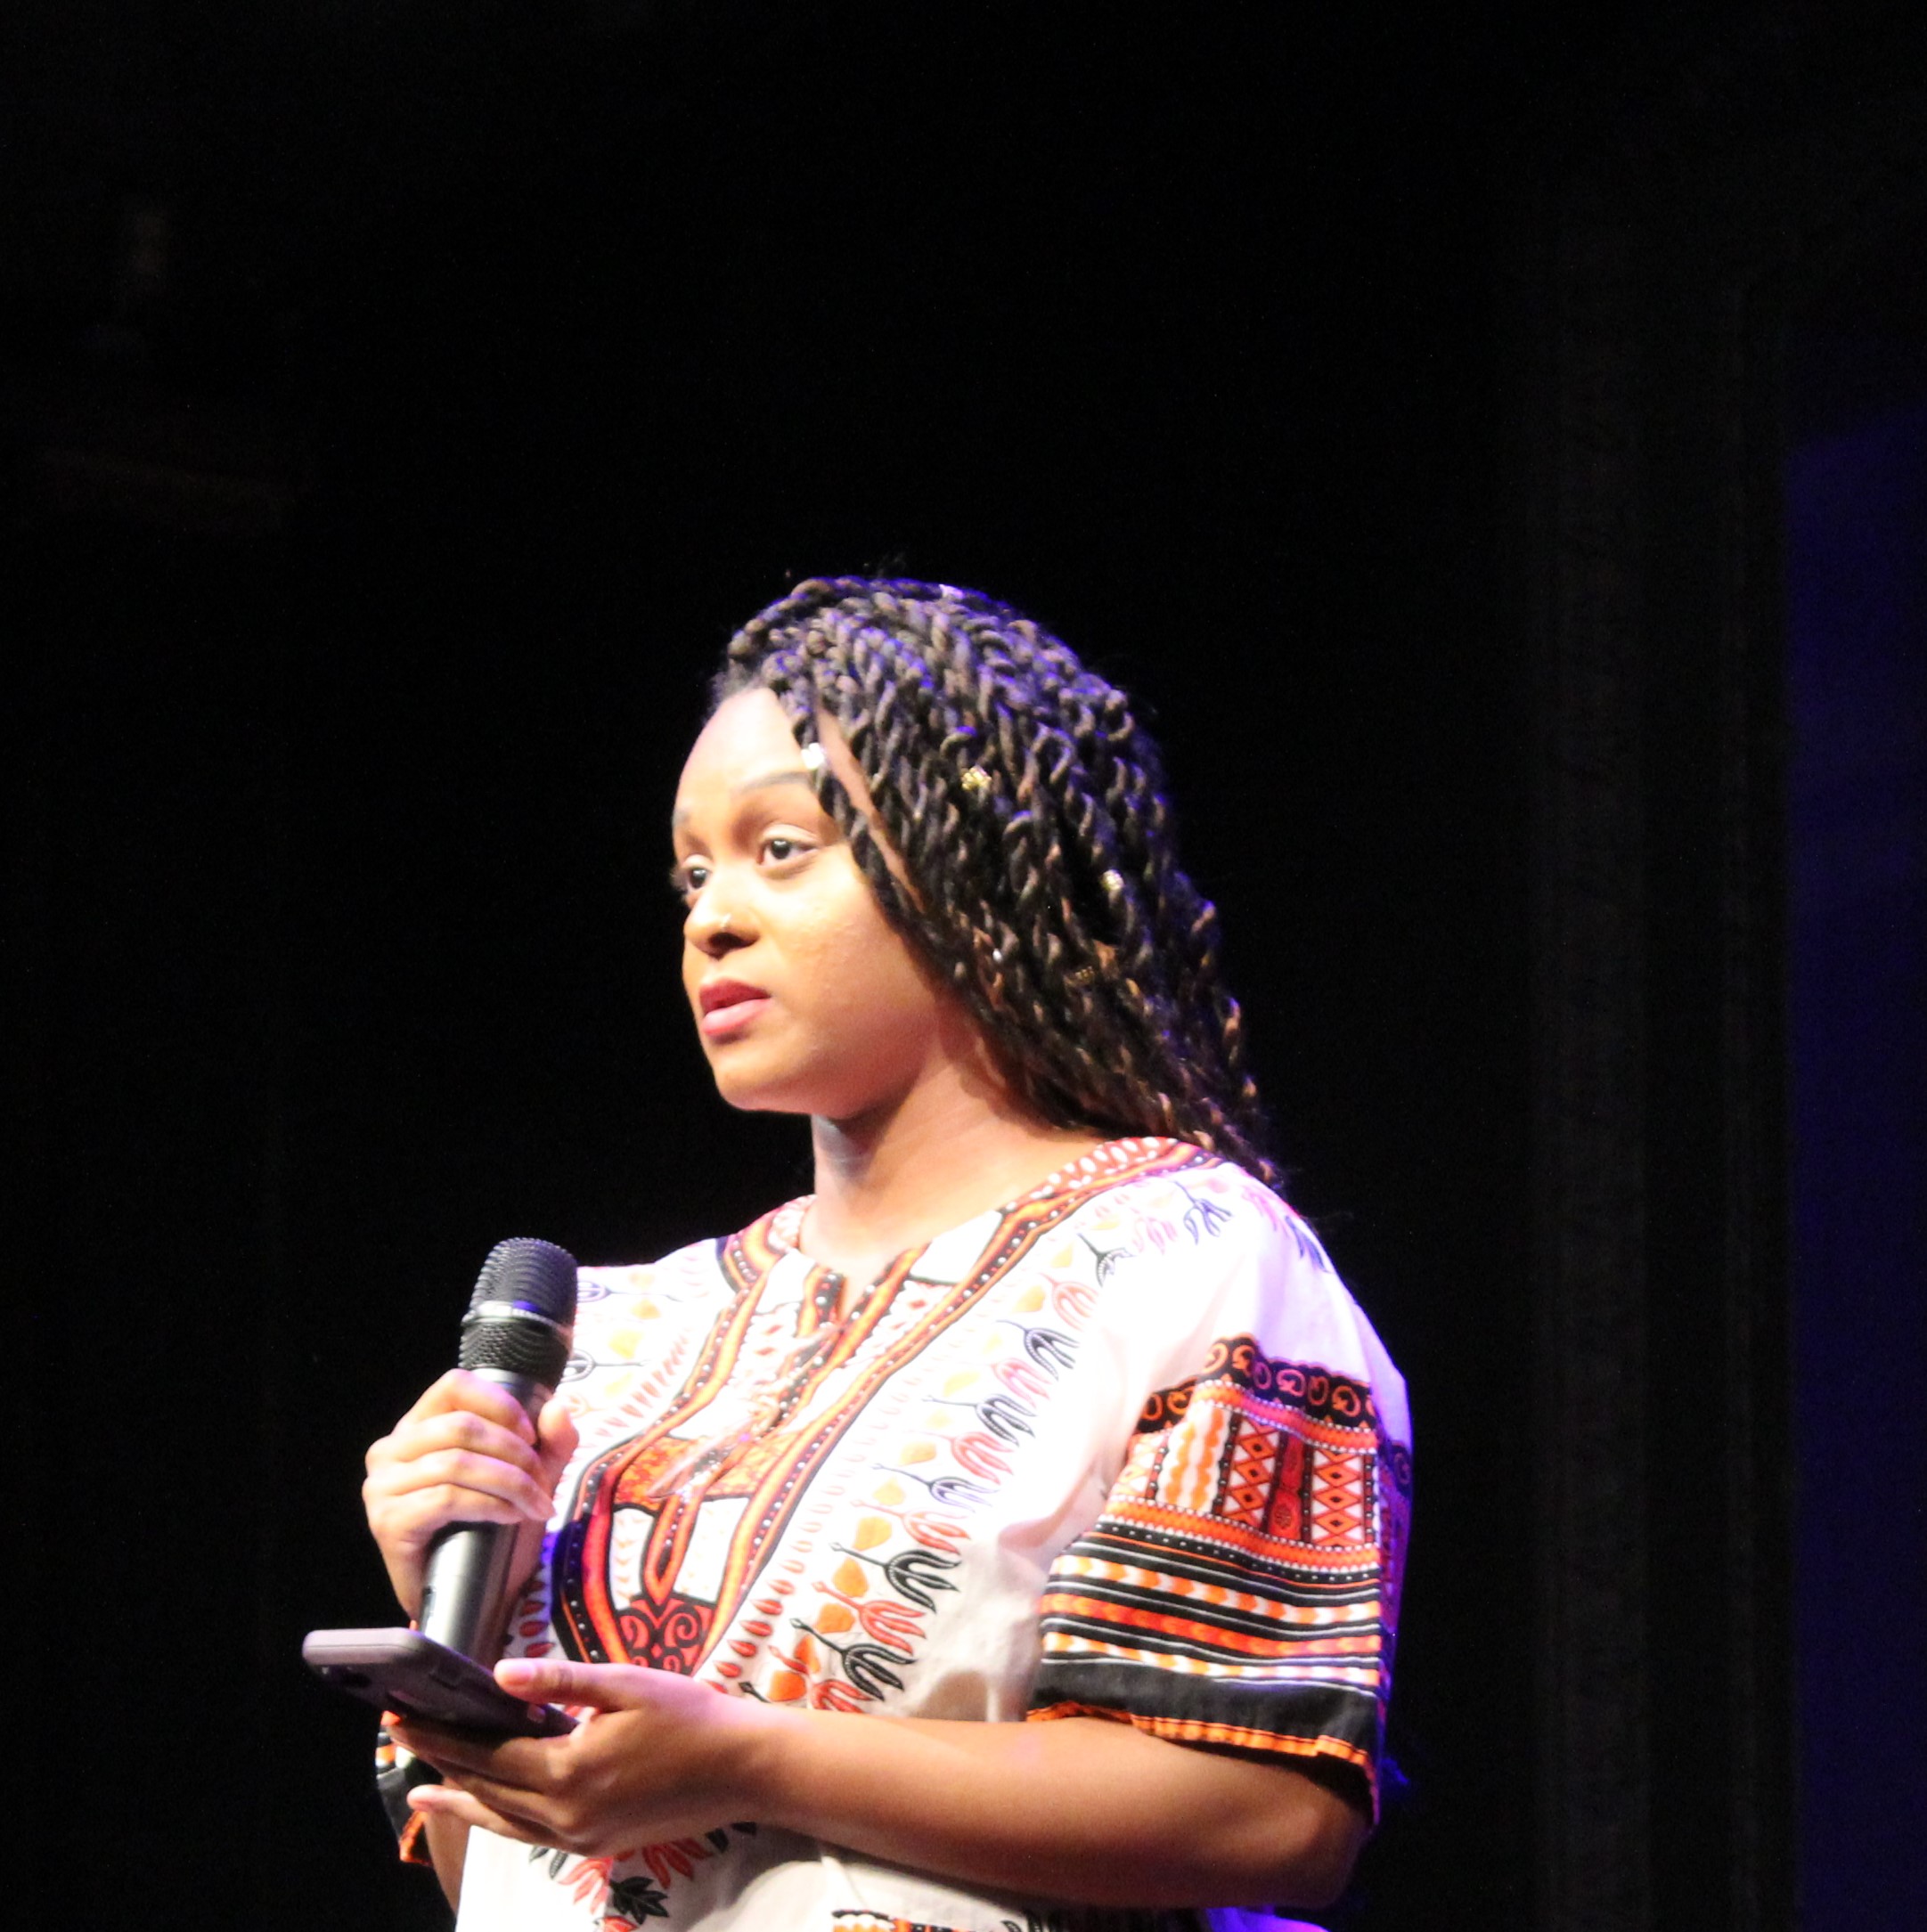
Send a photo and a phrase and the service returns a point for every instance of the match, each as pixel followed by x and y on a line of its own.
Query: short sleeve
pixel 1239 1588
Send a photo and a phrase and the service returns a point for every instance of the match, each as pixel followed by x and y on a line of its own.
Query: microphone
pixel 516 1334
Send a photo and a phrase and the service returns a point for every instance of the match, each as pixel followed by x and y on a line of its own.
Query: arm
pixel 464 1453
pixel 1076 1808
pixel 447 1839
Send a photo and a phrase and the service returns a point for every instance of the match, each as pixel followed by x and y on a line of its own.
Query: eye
pixel 688 878
pixel 780 847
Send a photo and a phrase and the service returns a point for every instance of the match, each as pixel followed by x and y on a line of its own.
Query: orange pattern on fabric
pixel 769 1469
pixel 1239 1588
pixel 1186 1731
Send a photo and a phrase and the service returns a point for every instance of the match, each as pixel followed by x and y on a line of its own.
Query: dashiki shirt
pixel 1125 1447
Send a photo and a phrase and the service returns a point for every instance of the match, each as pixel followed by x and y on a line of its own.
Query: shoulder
pixel 1168 1200
pixel 1197 1257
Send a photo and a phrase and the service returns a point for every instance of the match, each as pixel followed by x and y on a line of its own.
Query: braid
pixel 1025 805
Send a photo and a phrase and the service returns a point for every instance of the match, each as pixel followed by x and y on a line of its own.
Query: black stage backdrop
pixel 403 403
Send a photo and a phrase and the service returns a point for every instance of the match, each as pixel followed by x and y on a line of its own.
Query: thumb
pixel 555 1431
pixel 555 1679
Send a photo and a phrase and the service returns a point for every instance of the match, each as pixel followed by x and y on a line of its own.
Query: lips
pixel 728 1007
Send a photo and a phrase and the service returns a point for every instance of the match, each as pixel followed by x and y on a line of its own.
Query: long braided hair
pixel 1025 805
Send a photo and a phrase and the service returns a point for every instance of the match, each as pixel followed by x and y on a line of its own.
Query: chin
pixel 757 1091
pixel 762 1091
pixel 755 1100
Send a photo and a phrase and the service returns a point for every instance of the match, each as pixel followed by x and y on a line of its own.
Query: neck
pixel 947 1151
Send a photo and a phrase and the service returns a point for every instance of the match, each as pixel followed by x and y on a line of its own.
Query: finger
pixel 453 1429
pixel 451 1801
pixel 402 1523
pixel 412 1522
pixel 508 1763
pixel 462 1470
pixel 555 1432
pixel 461 1390
pixel 554 1680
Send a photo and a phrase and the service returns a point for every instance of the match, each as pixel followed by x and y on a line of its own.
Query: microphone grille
pixel 537 1275
pixel 521 1312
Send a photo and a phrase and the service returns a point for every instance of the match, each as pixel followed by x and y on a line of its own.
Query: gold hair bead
pixel 1112 882
pixel 977 781
pixel 812 758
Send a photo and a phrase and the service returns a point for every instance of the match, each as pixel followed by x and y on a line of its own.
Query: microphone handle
pixel 465 1589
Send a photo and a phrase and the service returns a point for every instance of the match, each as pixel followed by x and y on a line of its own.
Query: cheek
pixel 693 963
pixel 861 969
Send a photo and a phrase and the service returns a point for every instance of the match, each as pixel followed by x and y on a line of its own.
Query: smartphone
pixel 402 1670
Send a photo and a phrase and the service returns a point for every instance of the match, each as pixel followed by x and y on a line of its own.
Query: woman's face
pixel 806 1000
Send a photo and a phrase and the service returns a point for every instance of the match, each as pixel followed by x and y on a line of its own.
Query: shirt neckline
pixel 1083 1173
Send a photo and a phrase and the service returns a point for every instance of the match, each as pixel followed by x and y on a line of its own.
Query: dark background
pixel 402 405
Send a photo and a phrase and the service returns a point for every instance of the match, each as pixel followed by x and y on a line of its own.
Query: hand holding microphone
pixel 469 1473
pixel 457 1496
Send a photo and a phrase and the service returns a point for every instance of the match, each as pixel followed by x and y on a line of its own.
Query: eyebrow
pixel 680 816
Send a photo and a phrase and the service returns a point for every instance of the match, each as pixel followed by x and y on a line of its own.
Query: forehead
pixel 747 740
pixel 749 724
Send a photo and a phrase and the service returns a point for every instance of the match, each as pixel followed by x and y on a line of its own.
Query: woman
pixel 1042 1406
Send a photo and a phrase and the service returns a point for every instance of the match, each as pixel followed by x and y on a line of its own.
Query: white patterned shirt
pixel 1124 1447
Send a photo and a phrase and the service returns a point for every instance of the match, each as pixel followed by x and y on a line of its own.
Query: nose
pixel 714 925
